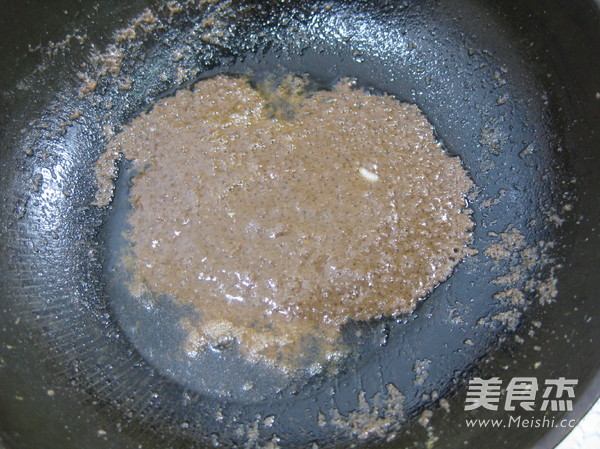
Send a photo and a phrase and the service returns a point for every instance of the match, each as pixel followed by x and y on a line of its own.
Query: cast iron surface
pixel 71 375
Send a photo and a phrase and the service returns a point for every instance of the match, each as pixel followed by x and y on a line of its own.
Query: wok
pixel 511 87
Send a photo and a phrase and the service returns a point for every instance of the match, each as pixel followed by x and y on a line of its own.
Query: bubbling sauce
pixel 281 217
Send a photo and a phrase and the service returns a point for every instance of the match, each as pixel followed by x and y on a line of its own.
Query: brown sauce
pixel 281 217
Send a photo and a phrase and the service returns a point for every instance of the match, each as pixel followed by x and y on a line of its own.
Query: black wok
pixel 512 87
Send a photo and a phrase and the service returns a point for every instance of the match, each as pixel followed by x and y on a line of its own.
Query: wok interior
pixel 445 58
